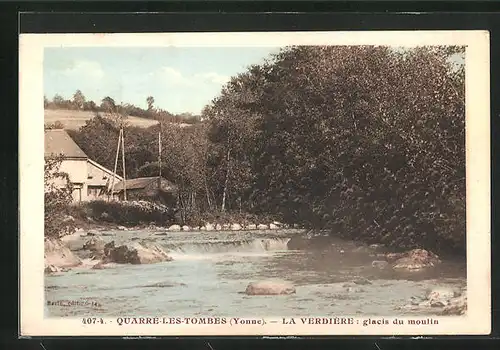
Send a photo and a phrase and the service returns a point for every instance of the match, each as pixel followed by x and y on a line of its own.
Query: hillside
pixel 72 119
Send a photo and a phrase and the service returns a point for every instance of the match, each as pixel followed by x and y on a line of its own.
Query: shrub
pixel 130 213
pixel 58 197
pixel 55 125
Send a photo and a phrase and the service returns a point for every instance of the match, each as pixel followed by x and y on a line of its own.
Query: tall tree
pixel 365 141
pixel 150 101
pixel 108 104
pixel 58 100
pixel 79 99
pixel 233 121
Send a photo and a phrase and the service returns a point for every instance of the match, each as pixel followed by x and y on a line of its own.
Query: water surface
pixel 211 270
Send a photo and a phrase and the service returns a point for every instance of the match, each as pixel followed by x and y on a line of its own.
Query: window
pixel 93 191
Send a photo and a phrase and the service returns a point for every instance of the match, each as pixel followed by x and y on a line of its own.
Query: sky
pixel 181 79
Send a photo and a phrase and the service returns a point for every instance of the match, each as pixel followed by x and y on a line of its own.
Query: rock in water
pixel 270 287
pixel 456 306
pixel 440 294
pixel 134 253
pixel 352 289
pixel 174 228
pixel 379 264
pixel 148 255
pixel 437 303
pixel 54 269
pixel 98 266
pixel 58 255
pixel 362 281
pixel 235 227
pixel 414 260
pixel 262 227
pixel 440 297
pixel 95 244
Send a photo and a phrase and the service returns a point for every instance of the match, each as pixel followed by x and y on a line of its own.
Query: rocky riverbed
pixel 236 271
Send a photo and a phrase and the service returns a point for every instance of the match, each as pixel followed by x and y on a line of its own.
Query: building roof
pixel 100 176
pixel 141 183
pixel 59 142
pixel 103 168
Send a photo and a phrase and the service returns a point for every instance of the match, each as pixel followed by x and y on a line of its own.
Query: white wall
pixel 76 169
pixel 97 177
pixel 77 172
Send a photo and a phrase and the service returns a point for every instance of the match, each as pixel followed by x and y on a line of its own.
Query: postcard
pixel 255 184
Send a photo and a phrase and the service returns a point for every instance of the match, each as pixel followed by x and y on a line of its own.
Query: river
pixel 211 271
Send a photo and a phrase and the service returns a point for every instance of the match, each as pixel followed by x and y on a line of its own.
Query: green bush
pixel 129 213
pixel 57 199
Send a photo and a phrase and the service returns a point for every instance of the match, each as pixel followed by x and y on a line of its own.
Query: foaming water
pixel 217 257
pixel 210 271
pixel 251 246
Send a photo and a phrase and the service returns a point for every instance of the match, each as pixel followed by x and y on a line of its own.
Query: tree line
pixel 364 142
pixel 108 105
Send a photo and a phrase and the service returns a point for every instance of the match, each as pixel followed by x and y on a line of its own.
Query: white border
pixel 31 141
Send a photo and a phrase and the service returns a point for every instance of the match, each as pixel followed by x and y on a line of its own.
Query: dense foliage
pixel 125 213
pixel 58 197
pixel 137 213
pixel 365 142
pixel 183 162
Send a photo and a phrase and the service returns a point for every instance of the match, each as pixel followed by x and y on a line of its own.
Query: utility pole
pixel 224 195
pixel 116 165
pixel 159 158
pixel 123 161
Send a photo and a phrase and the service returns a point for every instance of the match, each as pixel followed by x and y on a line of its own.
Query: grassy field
pixel 75 119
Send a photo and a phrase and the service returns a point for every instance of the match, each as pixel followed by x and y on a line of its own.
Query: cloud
pixel 213 77
pixel 175 77
pixel 85 69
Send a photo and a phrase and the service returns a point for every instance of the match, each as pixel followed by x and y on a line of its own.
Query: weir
pixel 255 245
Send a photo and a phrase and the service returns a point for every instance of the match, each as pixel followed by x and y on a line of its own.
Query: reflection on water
pixel 211 270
